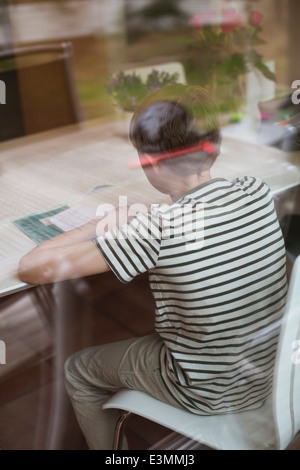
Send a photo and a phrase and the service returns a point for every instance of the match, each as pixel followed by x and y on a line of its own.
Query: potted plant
pixel 128 89
pixel 222 51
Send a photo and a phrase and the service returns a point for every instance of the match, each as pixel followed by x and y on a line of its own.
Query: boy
pixel 216 263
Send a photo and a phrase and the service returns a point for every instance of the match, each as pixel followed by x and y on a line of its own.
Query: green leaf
pixel 265 71
pixel 256 41
pixel 234 65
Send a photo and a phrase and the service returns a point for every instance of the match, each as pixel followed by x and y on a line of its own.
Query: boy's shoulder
pixel 245 182
pixel 253 186
pixel 250 185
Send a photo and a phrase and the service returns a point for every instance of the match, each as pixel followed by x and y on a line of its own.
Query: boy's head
pixel 172 125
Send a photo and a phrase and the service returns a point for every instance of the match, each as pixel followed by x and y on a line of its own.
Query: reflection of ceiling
pixel 36 22
pixel 56 19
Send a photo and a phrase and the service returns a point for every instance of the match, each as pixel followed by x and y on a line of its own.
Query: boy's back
pixel 219 296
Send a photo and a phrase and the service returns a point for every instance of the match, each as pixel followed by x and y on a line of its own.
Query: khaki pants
pixel 94 374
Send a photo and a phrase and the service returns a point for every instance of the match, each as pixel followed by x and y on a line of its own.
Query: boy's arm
pixel 78 235
pixel 46 265
pixel 67 256
pixel 90 230
pixel 71 254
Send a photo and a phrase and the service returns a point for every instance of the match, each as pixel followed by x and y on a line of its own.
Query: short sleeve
pixel 254 187
pixel 133 248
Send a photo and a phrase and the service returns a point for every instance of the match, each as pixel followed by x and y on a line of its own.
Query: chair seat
pixel 250 430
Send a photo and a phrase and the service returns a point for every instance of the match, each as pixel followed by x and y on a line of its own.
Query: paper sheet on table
pixel 37 226
pixel 73 217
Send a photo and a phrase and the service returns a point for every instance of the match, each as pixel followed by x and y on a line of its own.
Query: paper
pixel 73 218
pixel 36 227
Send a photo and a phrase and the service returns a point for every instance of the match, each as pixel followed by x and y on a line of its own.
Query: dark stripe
pixel 232 300
pixel 234 369
pixel 243 351
pixel 228 382
pixel 241 335
pixel 239 247
pixel 257 260
pixel 235 389
pixel 109 262
pixel 239 347
pixel 252 392
pixel 225 302
pixel 237 219
pixel 229 404
pixel 116 256
pixel 193 192
pixel 255 359
pixel 242 207
pixel 224 242
pixel 137 255
pixel 203 289
pixel 218 188
pixel 235 395
pixel 238 278
pixel 270 305
pixel 206 406
pixel 242 196
pixel 182 346
pixel 183 315
pixel 146 239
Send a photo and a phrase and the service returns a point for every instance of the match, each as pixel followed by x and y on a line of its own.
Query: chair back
pixel 11 114
pixel 40 90
pixel 287 369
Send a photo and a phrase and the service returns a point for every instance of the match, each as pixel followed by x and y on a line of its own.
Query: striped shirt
pixel 216 263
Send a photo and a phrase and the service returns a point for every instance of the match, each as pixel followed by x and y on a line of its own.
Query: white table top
pixel 89 165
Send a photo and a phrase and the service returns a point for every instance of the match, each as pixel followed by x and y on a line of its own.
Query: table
pixel 89 164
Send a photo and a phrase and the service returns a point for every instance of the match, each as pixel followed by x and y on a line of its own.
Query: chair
pixel 40 90
pixel 290 225
pixel 279 417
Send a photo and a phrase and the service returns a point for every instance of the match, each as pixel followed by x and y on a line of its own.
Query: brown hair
pixel 175 117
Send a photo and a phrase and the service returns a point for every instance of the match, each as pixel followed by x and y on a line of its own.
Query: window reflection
pixel 57 59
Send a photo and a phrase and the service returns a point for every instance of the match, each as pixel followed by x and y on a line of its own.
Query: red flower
pixel 231 20
pixel 256 18
pixel 201 19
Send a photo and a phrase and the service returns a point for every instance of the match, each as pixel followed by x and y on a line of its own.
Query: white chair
pixel 272 426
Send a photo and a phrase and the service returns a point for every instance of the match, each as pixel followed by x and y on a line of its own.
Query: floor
pixel 34 409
